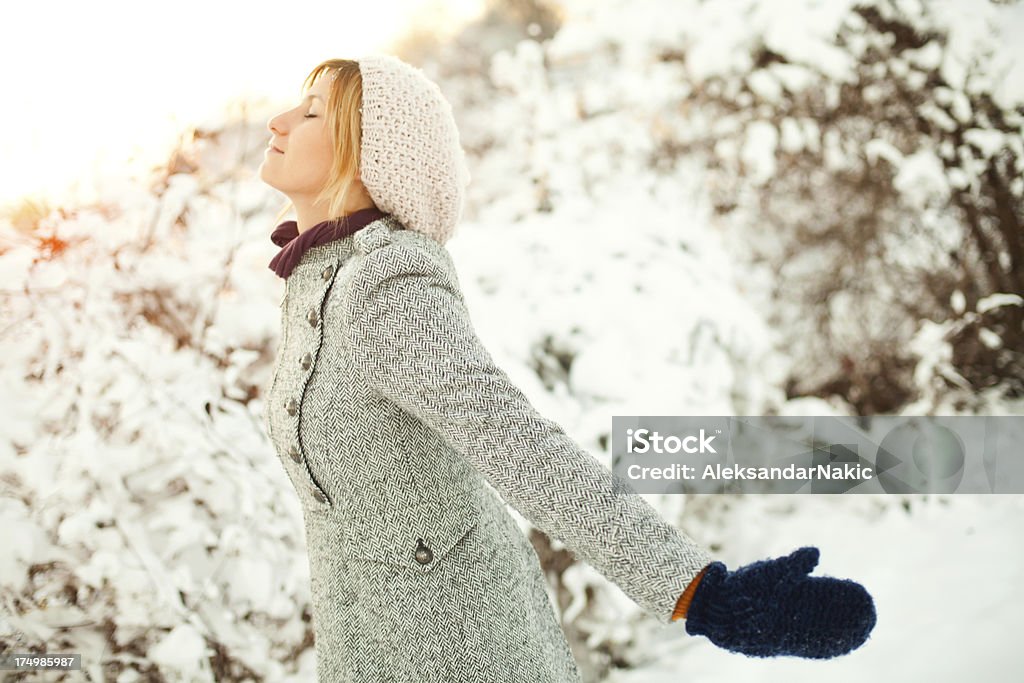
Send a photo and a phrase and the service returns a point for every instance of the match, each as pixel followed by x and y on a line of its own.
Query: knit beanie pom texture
pixel 412 163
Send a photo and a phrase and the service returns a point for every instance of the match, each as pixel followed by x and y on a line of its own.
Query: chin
pixel 261 172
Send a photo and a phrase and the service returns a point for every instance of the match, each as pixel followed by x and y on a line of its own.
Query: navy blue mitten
pixel 772 608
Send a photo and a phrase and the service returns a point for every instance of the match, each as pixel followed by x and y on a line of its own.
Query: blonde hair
pixel 344 126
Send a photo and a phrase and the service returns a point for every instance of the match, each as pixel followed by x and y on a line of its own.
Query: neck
pixel 308 215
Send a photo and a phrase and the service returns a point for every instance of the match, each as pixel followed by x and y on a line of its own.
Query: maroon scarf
pixel 294 246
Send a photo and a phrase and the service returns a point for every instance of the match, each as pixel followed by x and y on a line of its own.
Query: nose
pixel 274 125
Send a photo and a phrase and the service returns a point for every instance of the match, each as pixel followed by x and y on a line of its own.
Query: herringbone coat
pixel 389 416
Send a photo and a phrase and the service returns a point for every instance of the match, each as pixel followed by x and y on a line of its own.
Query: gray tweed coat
pixel 396 428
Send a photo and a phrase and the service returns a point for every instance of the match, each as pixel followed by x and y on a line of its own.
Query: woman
pixel 391 419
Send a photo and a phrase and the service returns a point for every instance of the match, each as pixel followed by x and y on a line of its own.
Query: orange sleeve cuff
pixel 683 604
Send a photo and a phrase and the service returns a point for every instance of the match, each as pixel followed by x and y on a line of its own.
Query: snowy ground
pixel 947 578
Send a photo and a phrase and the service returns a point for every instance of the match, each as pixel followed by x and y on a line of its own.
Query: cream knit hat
pixel 411 161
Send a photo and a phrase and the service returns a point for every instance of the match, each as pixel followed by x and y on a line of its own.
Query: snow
pixel 1000 299
pixel 181 650
pixel 759 151
pixel 944 577
pixel 921 179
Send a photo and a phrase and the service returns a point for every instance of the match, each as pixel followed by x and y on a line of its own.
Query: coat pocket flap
pixel 418 537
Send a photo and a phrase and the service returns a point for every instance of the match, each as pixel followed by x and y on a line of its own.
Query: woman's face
pixel 300 168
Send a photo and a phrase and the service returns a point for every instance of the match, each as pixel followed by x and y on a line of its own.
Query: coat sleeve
pixel 413 340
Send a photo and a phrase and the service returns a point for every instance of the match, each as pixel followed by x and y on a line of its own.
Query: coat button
pixel 423 554
pixel 294 453
pixel 306 361
pixel 313 317
pixel 328 272
pixel 319 496
pixel 292 407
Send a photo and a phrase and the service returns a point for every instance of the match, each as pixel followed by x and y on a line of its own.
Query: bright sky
pixel 89 88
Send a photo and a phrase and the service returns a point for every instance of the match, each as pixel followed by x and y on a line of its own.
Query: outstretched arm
pixel 412 337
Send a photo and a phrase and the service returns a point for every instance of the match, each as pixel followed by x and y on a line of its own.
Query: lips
pixel 274 149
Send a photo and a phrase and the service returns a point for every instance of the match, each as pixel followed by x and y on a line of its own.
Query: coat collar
pixel 295 247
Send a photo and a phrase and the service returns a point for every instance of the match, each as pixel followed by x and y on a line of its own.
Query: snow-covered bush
pixel 866 155
pixel 871 153
pixel 144 525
